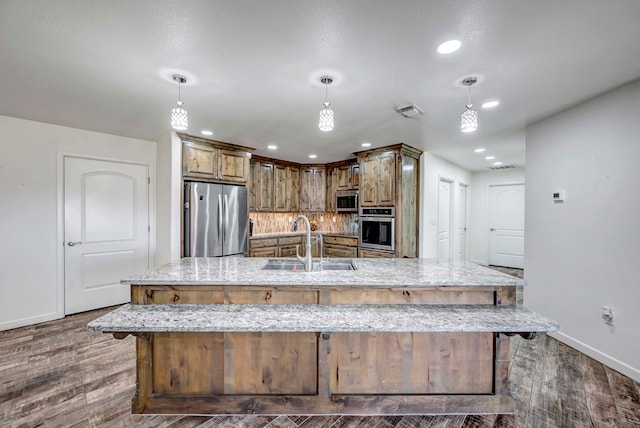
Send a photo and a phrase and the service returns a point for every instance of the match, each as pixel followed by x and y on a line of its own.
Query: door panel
pixel 444 220
pixel 106 231
pixel 506 225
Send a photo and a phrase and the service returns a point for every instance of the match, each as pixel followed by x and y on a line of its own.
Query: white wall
pixel 583 254
pixel 433 168
pixel 30 175
pixel 169 178
pixel 479 226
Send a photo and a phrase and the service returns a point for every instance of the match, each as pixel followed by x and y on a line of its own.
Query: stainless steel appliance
pixel 215 219
pixel 347 201
pixel 377 228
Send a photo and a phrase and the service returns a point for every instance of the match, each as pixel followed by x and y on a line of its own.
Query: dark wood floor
pixel 59 374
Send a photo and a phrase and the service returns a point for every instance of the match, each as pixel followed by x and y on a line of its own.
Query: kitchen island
pixel 394 336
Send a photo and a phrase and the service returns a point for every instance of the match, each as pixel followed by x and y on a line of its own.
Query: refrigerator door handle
pixel 219 217
pixel 226 211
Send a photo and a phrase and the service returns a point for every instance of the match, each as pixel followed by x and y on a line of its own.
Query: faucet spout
pixel 307 260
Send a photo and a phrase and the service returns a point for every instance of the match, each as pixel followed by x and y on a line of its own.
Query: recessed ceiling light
pixel 366 144
pixel 480 150
pixel 490 104
pixel 449 46
pixel 206 132
pixel 272 147
pixel 313 156
pixel 497 163
pixel 489 157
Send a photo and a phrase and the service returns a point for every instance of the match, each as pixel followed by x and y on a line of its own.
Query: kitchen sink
pixel 294 265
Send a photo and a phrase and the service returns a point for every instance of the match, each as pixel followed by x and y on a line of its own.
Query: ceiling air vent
pixel 510 166
pixel 410 110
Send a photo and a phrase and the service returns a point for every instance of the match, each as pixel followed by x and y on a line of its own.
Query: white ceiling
pixel 253 68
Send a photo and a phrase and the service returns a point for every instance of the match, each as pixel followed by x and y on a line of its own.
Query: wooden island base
pixel 229 359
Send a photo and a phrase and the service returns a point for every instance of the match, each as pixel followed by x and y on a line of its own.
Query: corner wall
pixel 433 168
pixel 582 254
pixel 31 277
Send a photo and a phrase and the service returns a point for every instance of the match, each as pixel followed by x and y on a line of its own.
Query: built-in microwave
pixel 377 227
pixel 347 201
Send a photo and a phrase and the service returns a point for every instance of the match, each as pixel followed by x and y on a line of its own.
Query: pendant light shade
pixel 469 117
pixel 325 122
pixel 179 117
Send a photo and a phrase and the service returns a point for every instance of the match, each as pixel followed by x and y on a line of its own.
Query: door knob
pixel 71 244
pixel 492 229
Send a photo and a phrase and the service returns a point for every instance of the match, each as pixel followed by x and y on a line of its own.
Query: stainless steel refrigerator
pixel 215 219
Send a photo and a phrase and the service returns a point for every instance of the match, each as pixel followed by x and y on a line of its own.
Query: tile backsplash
pixel 341 223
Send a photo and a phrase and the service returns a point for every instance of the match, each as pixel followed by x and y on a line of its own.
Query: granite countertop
pixel 323 318
pixel 369 272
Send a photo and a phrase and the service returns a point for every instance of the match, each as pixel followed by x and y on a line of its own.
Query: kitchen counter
pixel 323 318
pixel 369 272
pixel 393 337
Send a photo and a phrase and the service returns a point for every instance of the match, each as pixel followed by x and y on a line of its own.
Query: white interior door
pixel 462 222
pixel 444 220
pixel 106 228
pixel 506 225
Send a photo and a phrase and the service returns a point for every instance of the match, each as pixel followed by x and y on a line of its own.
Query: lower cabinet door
pixel 411 363
pixel 270 363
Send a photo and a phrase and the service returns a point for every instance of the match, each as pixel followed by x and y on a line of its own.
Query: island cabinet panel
pixel 187 363
pixel 411 363
pixel 399 296
pixel 162 295
pixel 273 296
pixel 270 363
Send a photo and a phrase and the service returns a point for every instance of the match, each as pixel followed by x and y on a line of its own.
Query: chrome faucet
pixel 307 260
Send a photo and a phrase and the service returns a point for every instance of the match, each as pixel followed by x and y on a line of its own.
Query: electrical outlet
pixel 607 314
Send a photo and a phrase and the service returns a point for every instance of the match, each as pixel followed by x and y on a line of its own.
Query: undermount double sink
pixel 294 265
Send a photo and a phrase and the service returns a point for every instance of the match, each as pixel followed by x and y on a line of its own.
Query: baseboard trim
pixel 23 322
pixel 605 359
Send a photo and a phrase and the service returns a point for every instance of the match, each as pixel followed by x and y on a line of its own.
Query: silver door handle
pixel 492 229
pixel 71 244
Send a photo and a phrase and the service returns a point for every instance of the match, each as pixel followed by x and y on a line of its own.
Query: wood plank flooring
pixel 59 374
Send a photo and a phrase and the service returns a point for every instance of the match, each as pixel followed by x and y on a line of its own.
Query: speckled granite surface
pixel 322 318
pixel 370 272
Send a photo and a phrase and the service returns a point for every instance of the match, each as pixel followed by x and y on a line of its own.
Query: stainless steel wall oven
pixel 377 228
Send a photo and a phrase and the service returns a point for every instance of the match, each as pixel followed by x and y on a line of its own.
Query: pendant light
pixel 469 117
pixel 179 118
pixel 326 114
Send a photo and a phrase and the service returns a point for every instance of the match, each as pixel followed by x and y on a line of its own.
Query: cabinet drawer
pixel 340 251
pixel 290 240
pixel 264 252
pixel 376 254
pixel 287 251
pixel 347 241
pixel 266 242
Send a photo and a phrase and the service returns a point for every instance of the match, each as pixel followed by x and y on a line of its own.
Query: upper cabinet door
pixel 386 179
pixel 369 185
pixel 233 166
pixel 343 177
pixel 355 176
pixel 199 162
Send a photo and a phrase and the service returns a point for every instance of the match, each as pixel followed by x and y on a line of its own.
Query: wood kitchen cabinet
pixel 390 177
pixel 263 247
pixel 378 179
pixel 261 186
pixel 344 175
pixel 287 188
pixel 313 189
pixel 215 161
pixel 340 246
